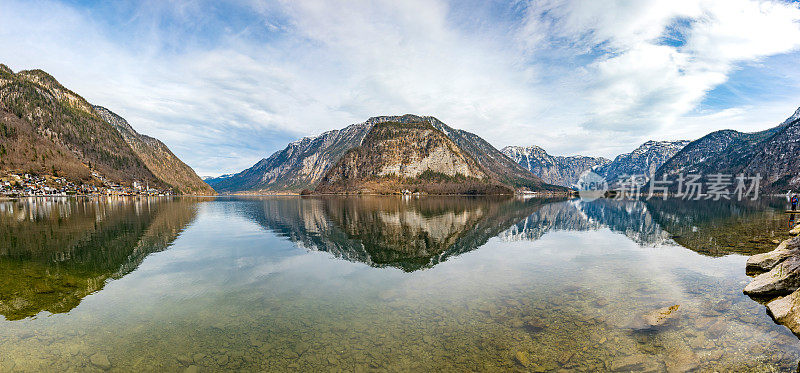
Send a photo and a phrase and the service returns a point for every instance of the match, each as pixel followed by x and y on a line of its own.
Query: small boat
pixel 792 211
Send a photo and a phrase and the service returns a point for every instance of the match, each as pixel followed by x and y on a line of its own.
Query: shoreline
pixel 775 281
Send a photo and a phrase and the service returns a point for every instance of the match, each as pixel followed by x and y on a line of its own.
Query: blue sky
pixel 225 84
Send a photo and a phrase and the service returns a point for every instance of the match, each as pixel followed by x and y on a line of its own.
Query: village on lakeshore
pixel 28 185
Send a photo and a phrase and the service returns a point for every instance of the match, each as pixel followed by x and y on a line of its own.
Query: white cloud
pixel 571 76
pixel 642 87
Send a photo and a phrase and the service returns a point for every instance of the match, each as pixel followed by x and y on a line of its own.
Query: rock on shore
pixel 778 280
pixel 760 263
pixel 785 311
pixel 783 278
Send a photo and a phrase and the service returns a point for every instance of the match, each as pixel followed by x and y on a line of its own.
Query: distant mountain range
pixel 772 153
pixel 47 129
pixel 319 162
pixel 644 160
pixel 566 171
pixel 558 170
pixel 384 159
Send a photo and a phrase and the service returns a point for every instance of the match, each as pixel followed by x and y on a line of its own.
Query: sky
pixel 226 83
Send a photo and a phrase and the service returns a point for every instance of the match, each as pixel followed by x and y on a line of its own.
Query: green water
pixel 377 284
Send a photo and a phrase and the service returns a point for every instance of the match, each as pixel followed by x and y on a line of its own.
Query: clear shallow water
pixel 384 284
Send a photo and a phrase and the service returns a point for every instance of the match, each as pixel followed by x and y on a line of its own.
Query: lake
pixel 385 283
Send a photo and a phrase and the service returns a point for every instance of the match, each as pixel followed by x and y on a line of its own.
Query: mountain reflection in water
pixel 418 233
pixel 54 252
pixel 384 283
pixel 409 233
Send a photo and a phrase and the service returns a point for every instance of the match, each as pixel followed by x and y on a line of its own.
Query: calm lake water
pixel 384 283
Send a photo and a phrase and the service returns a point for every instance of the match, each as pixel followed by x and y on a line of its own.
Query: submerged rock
pixel 185 359
pixel 534 325
pixel 661 315
pixel 101 361
pixel 782 279
pixel 718 328
pixel 652 319
pixel 521 357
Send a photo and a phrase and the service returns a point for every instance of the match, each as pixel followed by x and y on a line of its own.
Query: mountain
pixel 408 156
pixel 495 163
pixel 644 160
pixel 772 153
pixel 47 129
pixel 298 166
pixel 157 157
pixel 777 158
pixel 303 163
pixel 557 170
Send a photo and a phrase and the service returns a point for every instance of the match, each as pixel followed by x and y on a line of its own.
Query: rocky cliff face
pixel 644 160
pixel 303 163
pixel 300 165
pixel 48 129
pixel 496 164
pixel 157 157
pixel 414 156
pixel 771 153
pixel 557 170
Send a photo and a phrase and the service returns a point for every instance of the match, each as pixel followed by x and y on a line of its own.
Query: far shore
pixel 535 194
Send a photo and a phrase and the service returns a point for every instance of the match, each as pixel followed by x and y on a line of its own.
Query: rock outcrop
pixel 777 282
pixel 761 263
pixel 786 311
pixel 781 279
